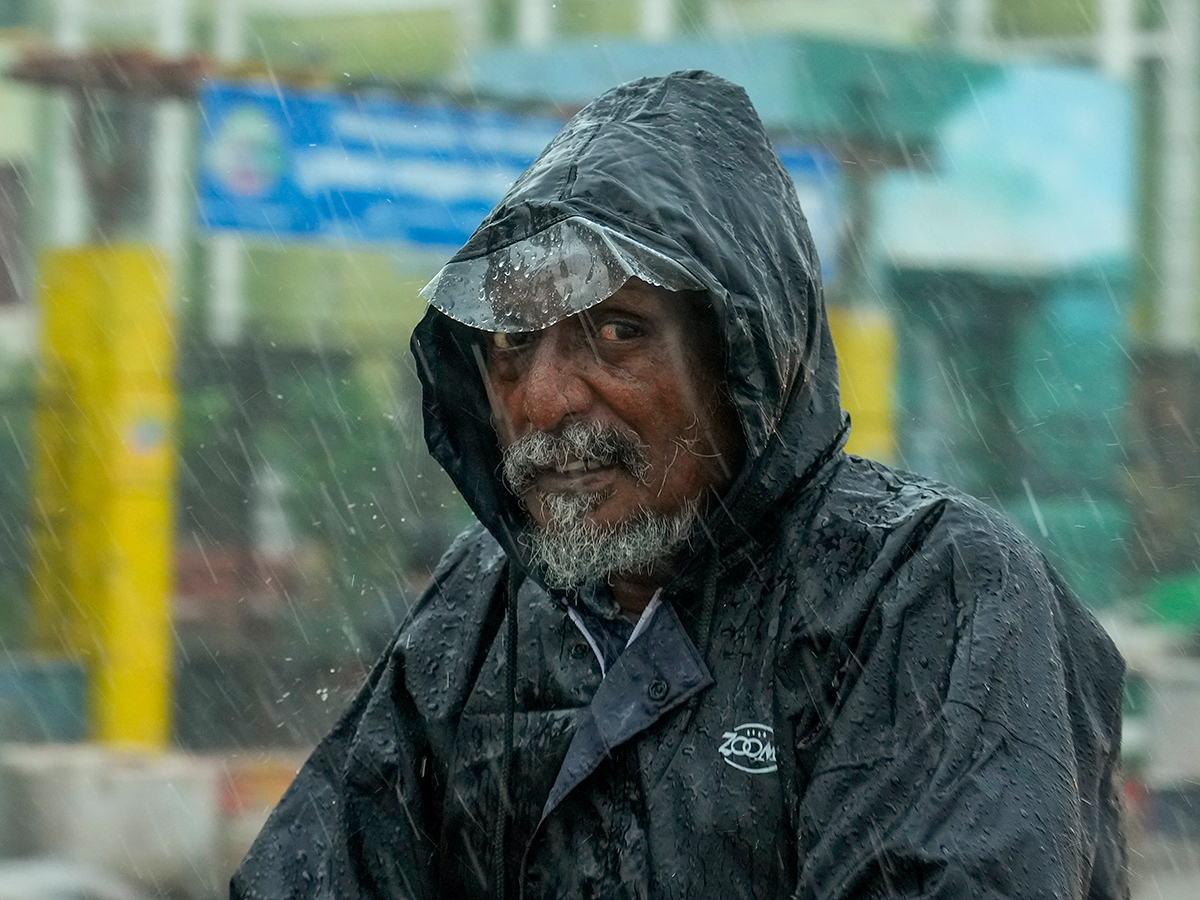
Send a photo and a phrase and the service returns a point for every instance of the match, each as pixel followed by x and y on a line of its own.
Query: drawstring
pixel 707 607
pixel 504 806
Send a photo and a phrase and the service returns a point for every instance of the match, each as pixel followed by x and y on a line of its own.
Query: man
pixel 694 649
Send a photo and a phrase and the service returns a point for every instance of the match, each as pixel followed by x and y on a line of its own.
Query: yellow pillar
pixel 103 485
pixel 866 347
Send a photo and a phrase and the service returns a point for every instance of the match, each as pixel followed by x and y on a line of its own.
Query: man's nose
pixel 555 387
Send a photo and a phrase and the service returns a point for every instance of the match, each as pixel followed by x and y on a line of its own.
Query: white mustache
pixel 577 447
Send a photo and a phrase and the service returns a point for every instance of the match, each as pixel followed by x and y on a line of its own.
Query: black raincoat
pixel 864 684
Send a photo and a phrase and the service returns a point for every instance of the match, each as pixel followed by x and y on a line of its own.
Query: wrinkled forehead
pixel 558 272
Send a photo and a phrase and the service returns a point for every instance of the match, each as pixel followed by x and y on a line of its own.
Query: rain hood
pixel 674 181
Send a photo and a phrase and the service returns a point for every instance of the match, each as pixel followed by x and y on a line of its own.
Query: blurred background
pixel 215 502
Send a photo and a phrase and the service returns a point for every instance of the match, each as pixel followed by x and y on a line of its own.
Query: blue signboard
pixel 288 163
pixel 316 164
pixel 818 179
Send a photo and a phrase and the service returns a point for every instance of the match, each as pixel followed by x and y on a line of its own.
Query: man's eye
pixel 515 340
pixel 617 331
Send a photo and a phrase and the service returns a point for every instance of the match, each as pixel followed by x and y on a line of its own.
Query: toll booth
pixel 1008 272
pixel 1015 389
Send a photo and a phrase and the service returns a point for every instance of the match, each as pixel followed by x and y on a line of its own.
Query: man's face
pixel 617 413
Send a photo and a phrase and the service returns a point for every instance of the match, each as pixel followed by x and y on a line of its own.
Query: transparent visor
pixel 558 272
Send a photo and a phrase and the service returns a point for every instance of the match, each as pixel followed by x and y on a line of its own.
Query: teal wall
pixel 1017 391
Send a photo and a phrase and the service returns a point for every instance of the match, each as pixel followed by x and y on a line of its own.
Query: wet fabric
pixel 862 684
pixel 608 635
pixel 561 270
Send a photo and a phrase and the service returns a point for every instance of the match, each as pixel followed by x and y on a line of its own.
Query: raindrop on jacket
pixel 889 694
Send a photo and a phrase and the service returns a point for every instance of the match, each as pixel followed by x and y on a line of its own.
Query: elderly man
pixel 693 649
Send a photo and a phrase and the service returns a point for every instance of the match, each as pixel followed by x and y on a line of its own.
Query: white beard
pixel 571 550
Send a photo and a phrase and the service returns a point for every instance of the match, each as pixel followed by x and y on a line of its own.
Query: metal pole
pixel 229 31
pixel 171 144
pixel 974 22
pixel 226 305
pixel 1118 38
pixel 1178 328
pixel 656 19
pixel 535 22
pixel 472 25
pixel 69 219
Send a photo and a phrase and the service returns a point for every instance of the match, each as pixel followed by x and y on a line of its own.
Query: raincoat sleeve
pixel 973 750
pixel 352 823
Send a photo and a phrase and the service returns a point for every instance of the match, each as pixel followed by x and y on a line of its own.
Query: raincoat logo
pixel 750 748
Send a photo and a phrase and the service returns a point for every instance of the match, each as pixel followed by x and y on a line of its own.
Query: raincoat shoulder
pixel 968 707
pixel 356 821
